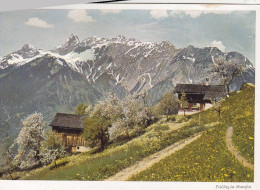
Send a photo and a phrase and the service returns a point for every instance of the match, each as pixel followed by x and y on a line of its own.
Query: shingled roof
pixel 189 88
pixel 68 121
pixel 211 92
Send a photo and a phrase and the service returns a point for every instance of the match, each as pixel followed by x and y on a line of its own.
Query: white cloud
pixel 110 11
pixel 159 14
pixel 218 44
pixel 197 13
pixel 193 14
pixel 80 16
pixel 36 22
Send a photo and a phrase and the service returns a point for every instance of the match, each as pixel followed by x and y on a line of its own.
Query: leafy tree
pixel 29 141
pixel 100 119
pixel 81 109
pixel 52 148
pixel 7 150
pixel 89 109
pixel 118 129
pixel 183 101
pixel 168 104
pixel 227 70
pixel 134 117
pixel 143 97
pixel 216 107
pixel 7 164
pixel 96 131
pixel 110 108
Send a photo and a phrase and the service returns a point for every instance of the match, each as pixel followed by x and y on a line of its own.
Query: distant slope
pixel 45 85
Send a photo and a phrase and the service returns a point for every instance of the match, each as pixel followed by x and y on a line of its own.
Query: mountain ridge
pixel 56 80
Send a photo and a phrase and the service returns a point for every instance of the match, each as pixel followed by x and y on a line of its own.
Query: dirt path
pixel 147 162
pixel 234 151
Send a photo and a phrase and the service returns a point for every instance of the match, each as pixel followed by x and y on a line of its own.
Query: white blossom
pixel 29 140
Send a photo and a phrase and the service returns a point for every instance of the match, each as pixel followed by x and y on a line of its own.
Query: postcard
pixel 129 96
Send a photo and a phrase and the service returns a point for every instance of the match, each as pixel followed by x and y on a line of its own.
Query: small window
pixel 77 147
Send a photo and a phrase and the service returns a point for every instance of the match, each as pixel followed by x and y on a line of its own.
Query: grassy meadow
pixel 207 158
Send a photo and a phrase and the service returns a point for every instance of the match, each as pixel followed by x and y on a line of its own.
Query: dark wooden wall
pixel 70 137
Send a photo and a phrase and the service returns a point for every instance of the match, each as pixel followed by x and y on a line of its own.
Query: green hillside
pixel 100 166
pixel 208 159
pixel 205 159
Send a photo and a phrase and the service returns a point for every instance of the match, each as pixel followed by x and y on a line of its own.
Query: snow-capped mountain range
pixel 95 56
pixel 82 56
pixel 51 81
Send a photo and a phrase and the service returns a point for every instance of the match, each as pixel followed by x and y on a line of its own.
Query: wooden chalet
pixel 199 96
pixel 70 127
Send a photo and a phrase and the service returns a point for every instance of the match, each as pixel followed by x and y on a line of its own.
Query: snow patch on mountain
pixel 59 62
pixel 83 56
pixel 118 79
pixel 15 58
pixel 110 65
pixel 137 65
pixel 73 59
pixel 189 58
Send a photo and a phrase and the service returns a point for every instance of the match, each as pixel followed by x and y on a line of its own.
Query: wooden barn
pixel 199 96
pixel 70 127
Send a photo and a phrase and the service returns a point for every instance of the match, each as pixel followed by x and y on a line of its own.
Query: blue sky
pixel 45 29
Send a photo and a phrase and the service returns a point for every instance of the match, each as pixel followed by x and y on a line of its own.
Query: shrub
pixel 59 163
pixel 181 118
pixel 172 118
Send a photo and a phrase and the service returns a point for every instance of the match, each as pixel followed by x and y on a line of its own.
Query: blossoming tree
pixel 29 141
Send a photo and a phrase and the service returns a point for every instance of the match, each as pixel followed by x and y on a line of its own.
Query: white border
pixel 201 7
pixel 29 4
pixel 75 185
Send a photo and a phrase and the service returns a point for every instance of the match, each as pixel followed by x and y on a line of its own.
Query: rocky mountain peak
pixel 121 38
pixel 73 39
pixel 191 48
pixel 70 44
pixel 167 44
pixel 28 47
pixel 27 51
